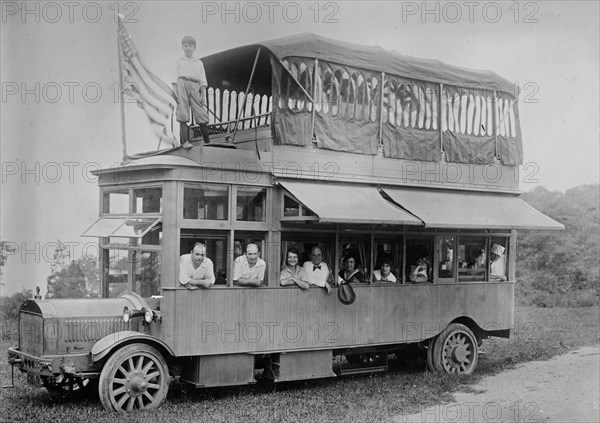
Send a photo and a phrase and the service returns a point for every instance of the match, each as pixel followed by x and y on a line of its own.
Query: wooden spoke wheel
pixel 454 350
pixel 134 377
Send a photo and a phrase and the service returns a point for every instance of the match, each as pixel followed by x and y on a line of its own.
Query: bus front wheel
pixel 134 377
pixel 454 350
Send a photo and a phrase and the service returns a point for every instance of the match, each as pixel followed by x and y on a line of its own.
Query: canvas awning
pixel 443 209
pixel 345 203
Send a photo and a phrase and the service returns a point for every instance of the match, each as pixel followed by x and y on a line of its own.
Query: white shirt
pixel 191 68
pixel 317 276
pixel 187 270
pixel 379 278
pixel 497 267
pixel 242 269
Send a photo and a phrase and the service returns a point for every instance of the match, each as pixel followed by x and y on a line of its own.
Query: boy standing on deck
pixel 191 92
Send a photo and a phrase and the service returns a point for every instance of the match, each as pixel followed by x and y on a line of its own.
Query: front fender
pixel 110 342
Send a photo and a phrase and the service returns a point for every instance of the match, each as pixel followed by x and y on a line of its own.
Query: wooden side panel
pixel 220 370
pixel 305 365
pixel 235 320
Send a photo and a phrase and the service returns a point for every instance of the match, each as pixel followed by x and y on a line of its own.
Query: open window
pixel 498 259
pixel 217 248
pixel 355 258
pixel 387 252
pixel 295 210
pixel 133 227
pixel 419 258
pixel 324 254
pixel 472 258
pixel 446 258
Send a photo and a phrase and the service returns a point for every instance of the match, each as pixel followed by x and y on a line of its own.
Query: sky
pixel 60 116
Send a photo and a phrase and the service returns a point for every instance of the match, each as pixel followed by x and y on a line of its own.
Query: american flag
pixel 151 94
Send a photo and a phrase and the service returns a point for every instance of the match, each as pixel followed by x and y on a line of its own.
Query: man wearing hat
pixel 497 263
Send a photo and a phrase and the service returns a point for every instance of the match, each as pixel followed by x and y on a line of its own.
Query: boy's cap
pixel 189 40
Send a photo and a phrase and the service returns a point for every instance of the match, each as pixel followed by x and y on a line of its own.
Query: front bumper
pixel 52 369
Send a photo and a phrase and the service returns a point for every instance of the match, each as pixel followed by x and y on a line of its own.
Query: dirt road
pixel 563 389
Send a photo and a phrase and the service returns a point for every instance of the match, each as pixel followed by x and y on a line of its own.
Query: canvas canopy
pixel 361 56
pixel 361 99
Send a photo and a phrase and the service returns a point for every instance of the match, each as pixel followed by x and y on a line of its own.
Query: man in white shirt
pixel 195 269
pixel 317 271
pixel 249 269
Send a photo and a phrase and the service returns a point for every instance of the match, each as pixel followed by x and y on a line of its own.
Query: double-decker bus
pixel 391 160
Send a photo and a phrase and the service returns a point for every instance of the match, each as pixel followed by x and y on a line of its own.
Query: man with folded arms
pixel 195 269
pixel 249 269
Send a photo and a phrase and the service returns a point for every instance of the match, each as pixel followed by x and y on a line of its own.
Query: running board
pixel 360 370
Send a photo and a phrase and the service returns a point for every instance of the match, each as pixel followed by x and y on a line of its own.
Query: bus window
pixel 471 258
pixel 250 205
pixel 147 200
pixel 216 249
pixel 206 202
pixel 388 251
pixel 316 256
pixel 419 259
pixel 115 201
pixel 116 271
pixel 147 273
pixel 446 246
pixel 153 237
pixel 498 259
pixel 355 260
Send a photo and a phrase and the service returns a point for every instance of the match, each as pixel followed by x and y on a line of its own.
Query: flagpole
pixel 121 88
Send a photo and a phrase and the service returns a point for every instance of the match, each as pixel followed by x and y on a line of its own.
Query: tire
pixel 430 363
pixel 454 350
pixel 134 377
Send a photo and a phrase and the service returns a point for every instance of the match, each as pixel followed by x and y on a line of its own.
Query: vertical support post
pixel 121 87
pixel 512 255
pixel 312 119
pixel 242 109
pixel 495 122
pixel 337 255
pixel 380 142
pixel 404 264
pixel 372 260
pixel 440 107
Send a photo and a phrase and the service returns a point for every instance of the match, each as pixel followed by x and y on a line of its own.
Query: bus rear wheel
pixel 134 377
pixel 454 350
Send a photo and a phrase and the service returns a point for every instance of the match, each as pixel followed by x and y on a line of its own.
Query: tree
pixel 562 262
pixel 69 282
pixel 9 312
pixel 6 249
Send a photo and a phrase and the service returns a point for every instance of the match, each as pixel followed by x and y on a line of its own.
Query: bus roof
pixel 368 57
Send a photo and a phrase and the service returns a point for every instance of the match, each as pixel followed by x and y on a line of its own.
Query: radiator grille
pixel 31 334
pixel 91 330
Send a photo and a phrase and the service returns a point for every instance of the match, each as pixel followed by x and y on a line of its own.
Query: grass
pixel 540 333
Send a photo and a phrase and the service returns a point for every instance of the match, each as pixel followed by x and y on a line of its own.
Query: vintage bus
pixel 314 143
